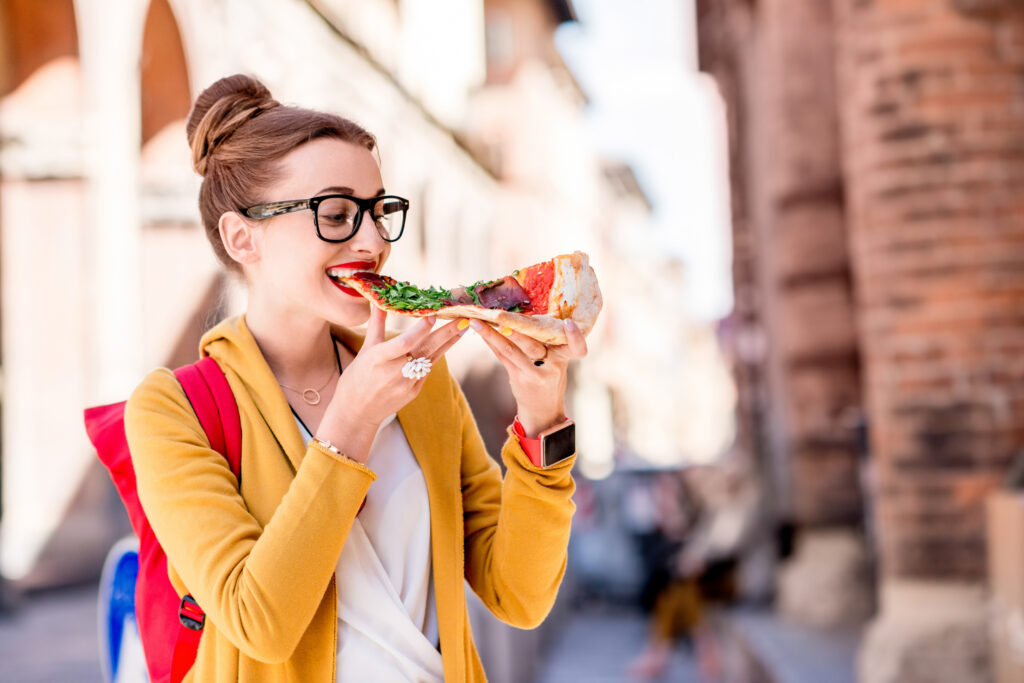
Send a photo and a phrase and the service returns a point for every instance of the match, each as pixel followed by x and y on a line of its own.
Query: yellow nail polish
pixel 505 331
pixel 463 324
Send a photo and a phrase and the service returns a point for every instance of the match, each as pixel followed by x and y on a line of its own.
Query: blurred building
pixel 876 170
pixel 120 278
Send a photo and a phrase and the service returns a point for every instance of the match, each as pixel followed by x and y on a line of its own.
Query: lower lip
pixel 347 290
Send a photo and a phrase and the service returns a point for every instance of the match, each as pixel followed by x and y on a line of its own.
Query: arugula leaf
pixel 404 296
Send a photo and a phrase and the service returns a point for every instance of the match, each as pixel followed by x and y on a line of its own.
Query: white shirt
pixel 387 617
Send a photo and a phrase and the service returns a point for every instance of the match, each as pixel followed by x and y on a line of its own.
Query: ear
pixel 239 237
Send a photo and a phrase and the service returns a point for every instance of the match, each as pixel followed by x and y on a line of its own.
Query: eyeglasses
pixel 337 216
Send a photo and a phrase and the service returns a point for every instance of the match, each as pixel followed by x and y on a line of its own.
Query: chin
pixel 355 316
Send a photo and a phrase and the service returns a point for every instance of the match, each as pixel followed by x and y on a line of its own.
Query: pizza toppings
pixel 537 281
pixel 505 294
pixel 403 296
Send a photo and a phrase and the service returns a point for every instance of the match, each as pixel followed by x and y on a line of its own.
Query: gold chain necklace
pixel 312 396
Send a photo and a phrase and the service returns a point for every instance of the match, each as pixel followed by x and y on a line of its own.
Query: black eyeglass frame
pixel 260 212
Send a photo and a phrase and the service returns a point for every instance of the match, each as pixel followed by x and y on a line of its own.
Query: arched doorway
pixel 185 292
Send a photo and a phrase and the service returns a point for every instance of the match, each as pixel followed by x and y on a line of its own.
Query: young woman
pixel 366 497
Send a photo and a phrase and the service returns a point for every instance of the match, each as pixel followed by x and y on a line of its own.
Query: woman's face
pixel 291 273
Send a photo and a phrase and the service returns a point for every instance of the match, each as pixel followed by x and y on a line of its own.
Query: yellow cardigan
pixel 261 560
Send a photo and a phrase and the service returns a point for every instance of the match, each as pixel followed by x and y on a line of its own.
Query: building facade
pixel 120 278
pixel 877 170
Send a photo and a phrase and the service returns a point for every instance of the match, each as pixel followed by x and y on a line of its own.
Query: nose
pixel 367 240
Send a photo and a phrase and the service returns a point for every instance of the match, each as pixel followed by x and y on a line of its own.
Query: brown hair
pixel 238 132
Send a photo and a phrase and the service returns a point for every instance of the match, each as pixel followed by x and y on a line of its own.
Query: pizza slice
pixel 532 300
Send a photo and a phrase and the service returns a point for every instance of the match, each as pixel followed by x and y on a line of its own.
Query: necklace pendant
pixel 311 396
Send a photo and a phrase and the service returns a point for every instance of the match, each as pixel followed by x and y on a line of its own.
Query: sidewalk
pixel 51 637
pixel 785 652
pixel 599 646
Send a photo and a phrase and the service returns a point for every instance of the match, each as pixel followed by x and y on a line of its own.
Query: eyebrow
pixel 345 190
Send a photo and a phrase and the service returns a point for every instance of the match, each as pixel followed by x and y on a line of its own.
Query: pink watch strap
pixel 530 446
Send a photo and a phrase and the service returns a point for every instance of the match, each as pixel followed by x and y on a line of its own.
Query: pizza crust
pixel 574 294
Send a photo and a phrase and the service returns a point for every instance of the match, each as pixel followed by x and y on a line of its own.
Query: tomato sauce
pixel 537 283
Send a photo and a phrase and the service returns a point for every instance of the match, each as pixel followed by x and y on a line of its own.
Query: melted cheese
pixel 564 292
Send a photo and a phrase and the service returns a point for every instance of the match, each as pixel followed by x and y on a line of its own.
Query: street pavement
pixel 597 647
pixel 52 637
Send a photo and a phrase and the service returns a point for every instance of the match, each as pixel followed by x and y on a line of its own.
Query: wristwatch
pixel 557 443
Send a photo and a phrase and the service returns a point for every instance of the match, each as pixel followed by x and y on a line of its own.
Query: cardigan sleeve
pixel 516 531
pixel 260 586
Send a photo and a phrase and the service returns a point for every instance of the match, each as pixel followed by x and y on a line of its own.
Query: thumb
pixel 375 327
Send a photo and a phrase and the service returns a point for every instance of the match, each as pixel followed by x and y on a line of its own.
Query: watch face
pixel 559 445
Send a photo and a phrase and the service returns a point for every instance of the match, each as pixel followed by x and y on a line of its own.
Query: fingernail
pixel 505 331
pixel 476 324
pixel 463 324
pixel 570 325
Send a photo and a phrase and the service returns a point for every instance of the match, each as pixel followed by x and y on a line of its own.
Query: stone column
pixel 70 275
pixel 776 64
pixel 110 75
pixel 933 133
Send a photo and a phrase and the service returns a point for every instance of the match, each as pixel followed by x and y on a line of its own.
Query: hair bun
pixel 220 110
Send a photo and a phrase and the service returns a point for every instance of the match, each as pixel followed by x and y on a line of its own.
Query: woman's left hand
pixel 539 390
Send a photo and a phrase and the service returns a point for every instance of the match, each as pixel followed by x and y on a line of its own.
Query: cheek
pixel 289 248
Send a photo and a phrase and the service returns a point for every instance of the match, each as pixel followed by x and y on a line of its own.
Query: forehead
pixel 328 162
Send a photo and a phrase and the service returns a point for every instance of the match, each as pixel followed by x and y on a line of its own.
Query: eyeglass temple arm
pixel 275 208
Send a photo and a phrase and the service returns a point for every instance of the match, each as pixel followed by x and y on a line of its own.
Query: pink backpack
pixel 169 625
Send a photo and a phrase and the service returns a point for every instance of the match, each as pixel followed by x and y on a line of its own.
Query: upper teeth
pixel 344 272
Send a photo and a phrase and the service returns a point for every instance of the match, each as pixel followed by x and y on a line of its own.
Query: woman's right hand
pixel 372 386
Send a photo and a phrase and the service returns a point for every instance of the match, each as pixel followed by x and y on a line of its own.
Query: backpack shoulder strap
pixel 214 403
pixel 210 394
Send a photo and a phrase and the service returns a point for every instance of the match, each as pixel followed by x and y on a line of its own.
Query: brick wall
pixel 722 31
pixel 933 140
pixel 775 64
pixel 815 322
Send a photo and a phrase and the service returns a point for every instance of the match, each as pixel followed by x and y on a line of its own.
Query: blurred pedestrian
pixel 702 573
pixel 342 552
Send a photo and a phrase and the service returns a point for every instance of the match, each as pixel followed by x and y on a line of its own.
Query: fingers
pixel 419 340
pixel 411 339
pixel 511 346
pixel 576 346
pixel 531 348
pixel 375 327
pixel 504 348
pixel 443 339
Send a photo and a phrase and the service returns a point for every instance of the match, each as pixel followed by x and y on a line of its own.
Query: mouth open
pixel 335 275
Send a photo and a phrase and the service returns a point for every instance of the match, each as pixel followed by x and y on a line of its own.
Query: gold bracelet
pixel 332 448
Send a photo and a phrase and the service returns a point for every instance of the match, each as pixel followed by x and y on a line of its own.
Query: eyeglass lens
pixel 336 218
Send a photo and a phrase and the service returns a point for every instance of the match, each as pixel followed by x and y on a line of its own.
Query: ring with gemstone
pixel 416 368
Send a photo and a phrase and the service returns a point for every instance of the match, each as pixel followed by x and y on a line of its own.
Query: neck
pixel 300 351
